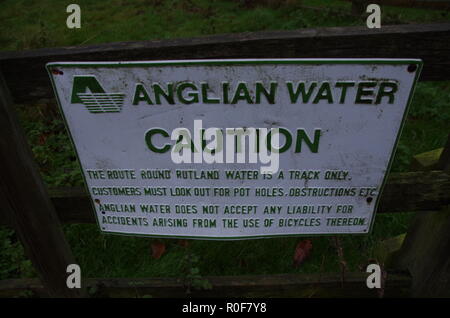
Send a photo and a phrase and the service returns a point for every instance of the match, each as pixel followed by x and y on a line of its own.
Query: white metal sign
pixel 233 149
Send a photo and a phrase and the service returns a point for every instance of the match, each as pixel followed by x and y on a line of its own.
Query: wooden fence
pixel 36 213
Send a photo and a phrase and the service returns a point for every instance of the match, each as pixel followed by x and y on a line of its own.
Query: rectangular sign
pixel 233 149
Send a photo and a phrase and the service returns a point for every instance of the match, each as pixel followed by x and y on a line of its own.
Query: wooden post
pixel 426 249
pixel 24 201
pixel 444 159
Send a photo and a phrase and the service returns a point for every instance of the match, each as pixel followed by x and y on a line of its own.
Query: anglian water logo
pixel 87 90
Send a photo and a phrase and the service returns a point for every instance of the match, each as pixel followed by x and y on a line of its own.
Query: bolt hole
pixel 369 200
pixel 97 201
pixel 55 71
pixel 412 68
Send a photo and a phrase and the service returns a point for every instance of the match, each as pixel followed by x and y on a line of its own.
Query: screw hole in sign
pixel 412 68
pixel 55 71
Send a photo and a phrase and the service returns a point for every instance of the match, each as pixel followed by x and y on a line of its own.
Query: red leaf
pixel 42 139
pixel 158 249
pixel 183 243
pixel 302 252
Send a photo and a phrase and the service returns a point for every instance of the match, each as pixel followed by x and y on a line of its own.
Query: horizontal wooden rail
pixel 404 192
pixel 281 285
pixel 27 78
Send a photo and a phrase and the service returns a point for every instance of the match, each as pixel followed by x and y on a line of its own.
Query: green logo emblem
pixel 88 91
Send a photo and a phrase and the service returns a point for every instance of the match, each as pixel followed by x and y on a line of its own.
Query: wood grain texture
pixel 425 251
pixel 27 78
pixel 26 204
pixel 281 285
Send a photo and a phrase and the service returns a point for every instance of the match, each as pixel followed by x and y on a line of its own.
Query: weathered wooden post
pixel 25 203
pixel 444 159
pixel 426 249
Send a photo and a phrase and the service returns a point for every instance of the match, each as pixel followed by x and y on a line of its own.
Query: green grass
pixel 34 24
pixel 117 256
pixel 29 24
